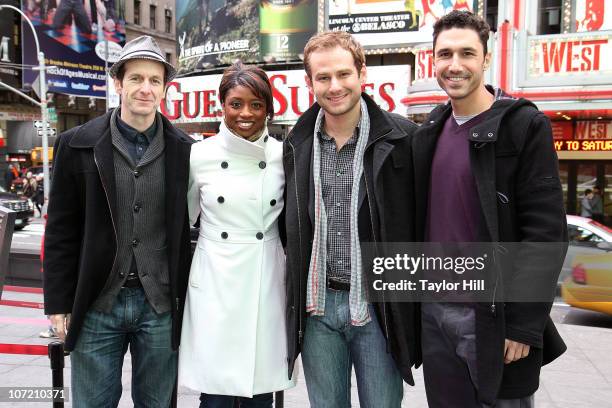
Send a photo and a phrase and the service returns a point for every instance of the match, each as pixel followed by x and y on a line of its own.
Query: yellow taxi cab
pixel 590 284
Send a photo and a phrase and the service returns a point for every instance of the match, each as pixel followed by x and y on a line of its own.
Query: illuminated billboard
pixel 76 38
pixel 383 23
pixel 217 32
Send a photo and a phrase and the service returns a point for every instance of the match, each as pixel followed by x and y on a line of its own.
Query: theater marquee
pixel 583 136
pixel 559 60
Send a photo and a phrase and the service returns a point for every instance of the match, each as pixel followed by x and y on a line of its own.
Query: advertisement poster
pixel 9 66
pixel 195 99
pixel 73 36
pixel 378 23
pixel 218 32
pixel 593 15
pixel 285 27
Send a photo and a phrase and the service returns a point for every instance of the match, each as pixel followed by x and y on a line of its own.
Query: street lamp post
pixel 42 104
pixel 45 128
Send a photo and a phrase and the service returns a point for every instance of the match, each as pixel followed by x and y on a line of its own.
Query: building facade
pixel 155 18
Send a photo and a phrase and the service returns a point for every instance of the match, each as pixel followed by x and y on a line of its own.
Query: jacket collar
pixel 486 131
pixel 92 132
pixel 238 145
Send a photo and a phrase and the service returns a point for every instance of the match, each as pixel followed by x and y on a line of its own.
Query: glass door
pixel 586 179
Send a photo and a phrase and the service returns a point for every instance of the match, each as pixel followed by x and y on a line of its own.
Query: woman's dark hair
pixel 462 19
pixel 249 76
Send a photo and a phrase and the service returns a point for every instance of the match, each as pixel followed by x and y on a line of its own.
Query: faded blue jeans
pixel 332 346
pixel 97 358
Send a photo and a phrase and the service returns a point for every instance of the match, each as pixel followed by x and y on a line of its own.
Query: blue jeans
pixel 226 401
pixel 97 358
pixel 332 345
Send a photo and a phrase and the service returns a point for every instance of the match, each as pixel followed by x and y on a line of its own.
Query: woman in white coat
pixel 233 341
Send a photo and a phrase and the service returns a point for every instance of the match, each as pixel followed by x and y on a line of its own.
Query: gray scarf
pixel 317 279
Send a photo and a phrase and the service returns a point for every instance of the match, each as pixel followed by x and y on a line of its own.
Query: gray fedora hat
pixel 143 47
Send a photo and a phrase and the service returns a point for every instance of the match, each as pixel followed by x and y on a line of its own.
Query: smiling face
pixel 245 112
pixel 141 90
pixel 460 63
pixel 335 81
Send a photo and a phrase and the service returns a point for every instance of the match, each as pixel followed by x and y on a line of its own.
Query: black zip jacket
pixel 515 167
pixel 386 213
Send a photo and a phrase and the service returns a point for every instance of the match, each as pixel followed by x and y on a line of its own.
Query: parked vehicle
pixel 590 284
pixel 587 271
pixel 21 205
pixel 584 237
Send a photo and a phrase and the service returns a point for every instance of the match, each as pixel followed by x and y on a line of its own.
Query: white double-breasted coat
pixel 233 339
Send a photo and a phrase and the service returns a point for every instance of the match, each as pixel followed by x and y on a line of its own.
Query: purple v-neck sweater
pixel 454 212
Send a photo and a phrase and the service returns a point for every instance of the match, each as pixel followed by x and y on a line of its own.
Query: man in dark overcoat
pixel 487 171
pixel 117 239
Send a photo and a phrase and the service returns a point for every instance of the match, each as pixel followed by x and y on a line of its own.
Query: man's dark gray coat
pixel 80 241
pixel 516 171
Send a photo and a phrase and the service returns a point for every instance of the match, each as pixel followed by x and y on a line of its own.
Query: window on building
pixel 136 12
pixel 152 16
pixel 168 21
pixel 491 14
pixel 169 57
pixel 549 17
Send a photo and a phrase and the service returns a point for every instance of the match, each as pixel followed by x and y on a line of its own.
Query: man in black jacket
pixel 488 172
pixel 117 239
pixel 349 181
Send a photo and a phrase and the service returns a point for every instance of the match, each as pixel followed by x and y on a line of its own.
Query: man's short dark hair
pixel 587 191
pixel 462 19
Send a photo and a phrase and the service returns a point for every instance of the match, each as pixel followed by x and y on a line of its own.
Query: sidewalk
pixel 582 377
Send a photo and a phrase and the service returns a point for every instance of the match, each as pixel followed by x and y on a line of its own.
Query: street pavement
pixel 582 377
pixel 29 237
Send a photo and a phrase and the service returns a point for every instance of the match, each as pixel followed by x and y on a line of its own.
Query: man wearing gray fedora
pixel 117 248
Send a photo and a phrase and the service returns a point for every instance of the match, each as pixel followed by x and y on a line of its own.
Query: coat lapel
pixel 301 139
pixel 379 128
pixel 176 179
pixel 423 149
pixel 381 152
pixel 483 170
pixel 303 174
pixel 103 156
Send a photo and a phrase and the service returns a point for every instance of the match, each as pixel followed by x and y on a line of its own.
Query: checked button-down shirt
pixel 336 185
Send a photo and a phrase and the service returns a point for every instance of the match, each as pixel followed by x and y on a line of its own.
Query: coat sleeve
pixel 193 188
pixel 542 229
pixel 62 234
